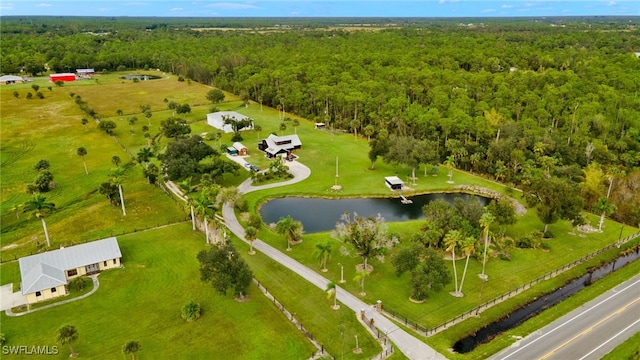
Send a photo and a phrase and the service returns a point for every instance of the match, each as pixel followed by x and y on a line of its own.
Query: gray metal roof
pixel 11 78
pixel 47 270
pixel 273 148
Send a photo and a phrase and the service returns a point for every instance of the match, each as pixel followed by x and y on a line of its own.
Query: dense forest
pixel 517 100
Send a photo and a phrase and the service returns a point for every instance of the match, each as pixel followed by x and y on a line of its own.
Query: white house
pixel 46 275
pixel 216 120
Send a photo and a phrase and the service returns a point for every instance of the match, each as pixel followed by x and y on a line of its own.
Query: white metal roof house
pixel 274 145
pixel 216 120
pixel 11 79
pixel 45 276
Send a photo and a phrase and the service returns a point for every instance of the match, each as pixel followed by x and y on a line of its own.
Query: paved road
pixel 588 332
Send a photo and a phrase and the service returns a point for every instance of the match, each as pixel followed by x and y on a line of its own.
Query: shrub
pixel 180 79
pixel 524 242
pixel 241 205
pixel 237 137
pixel 191 311
pixel 78 283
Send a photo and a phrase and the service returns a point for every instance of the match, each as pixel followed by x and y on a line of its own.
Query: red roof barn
pixel 62 77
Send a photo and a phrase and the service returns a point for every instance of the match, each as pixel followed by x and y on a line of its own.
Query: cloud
pixel 488 11
pixel 611 3
pixel 176 9
pixel 506 6
pixel 8 6
pixel 447 1
pixel 232 6
pixel 44 5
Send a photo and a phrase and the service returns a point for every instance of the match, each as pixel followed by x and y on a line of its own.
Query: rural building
pixel 216 120
pixel 241 149
pixel 393 182
pixel 62 77
pixel 85 73
pixel 46 275
pixel 232 151
pixel 10 79
pixel 274 145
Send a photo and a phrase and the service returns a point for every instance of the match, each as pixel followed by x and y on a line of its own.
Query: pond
pixel 140 77
pixel 319 215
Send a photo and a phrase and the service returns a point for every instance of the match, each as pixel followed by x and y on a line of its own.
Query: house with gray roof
pixel 46 275
pixel 274 145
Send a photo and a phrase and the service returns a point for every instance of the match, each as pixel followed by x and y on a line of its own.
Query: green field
pixel 51 128
pixel 142 302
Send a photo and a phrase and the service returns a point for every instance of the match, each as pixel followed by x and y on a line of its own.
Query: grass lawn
pixel 629 349
pixel 310 306
pixel 51 128
pixel 142 302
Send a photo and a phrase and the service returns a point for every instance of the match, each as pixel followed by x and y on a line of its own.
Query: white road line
pixel 573 318
pixel 611 338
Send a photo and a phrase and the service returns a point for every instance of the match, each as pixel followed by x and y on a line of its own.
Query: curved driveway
pixel 409 345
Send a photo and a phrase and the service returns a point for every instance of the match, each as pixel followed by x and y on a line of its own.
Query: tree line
pixel 517 101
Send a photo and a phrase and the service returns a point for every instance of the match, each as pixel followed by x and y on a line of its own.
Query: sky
pixel 322 8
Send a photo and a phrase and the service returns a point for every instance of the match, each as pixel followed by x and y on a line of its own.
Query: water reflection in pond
pixel 322 214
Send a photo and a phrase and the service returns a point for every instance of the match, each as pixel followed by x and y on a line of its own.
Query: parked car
pixel 247 165
pixel 255 168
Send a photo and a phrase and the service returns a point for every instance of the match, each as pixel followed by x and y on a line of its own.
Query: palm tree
pixel 131 347
pixel 251 234
pixel 39 207
pixel 68 334
pixel 359 278
pixel 18 208
pixel 228 195
pixel 323 252
pixel 451 240
pixel 292 229
pixel 257 128
pixel 144 155
pixel 485 221
pixel 117 177
pixel 468 247
pixel 204 206
pixel 82 152
pixel 450 163
pixel 332 293
pixel 193 215
pixel 132 121
pixel 283 127
pixel 604 207
pixel 295 123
